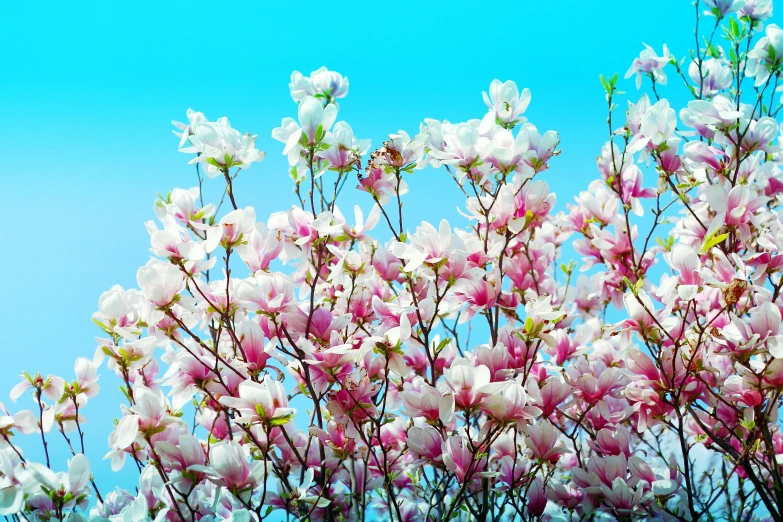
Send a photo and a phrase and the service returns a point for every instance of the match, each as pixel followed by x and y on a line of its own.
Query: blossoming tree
pixel 300 368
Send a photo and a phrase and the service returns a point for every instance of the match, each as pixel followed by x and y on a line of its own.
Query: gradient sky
pixel 89 90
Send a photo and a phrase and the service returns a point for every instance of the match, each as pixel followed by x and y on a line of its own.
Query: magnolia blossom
pixel 721 8
pixel 315 120
pixel 506 105
pixel 651 64
pixel 513 361
pixel 221 147
pixel 263 401
pixel 322 83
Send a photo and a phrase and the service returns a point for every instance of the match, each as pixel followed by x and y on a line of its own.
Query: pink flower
pixel 264 402
pixel 466 381
pixel 461 459
pixel 536 498
pixel 271 293
pixel 229 467
pixel 427 245
pixel 612 442
pixel 254 350
pixel 647 403
pixel 621 498
pixel 543 441
pixel 260 247
pixel 735 207
pixel 649 63
pixel 422 400
pixel 593 381
pixel 335 438
pixel 553 393
pixel 161 282
pixel 509 404
pixel 643 317
pixel 426 442
pixel 187 452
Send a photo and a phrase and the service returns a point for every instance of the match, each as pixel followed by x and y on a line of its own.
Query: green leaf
pixel 280 421
pixel 712 240
pixel 529 325
pixel 734 28
pixel 442 345
pixel 607 87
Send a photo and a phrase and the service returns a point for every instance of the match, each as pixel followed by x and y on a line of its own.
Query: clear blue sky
pixel 89 88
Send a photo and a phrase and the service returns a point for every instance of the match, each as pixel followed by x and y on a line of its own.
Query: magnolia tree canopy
pixel 309 366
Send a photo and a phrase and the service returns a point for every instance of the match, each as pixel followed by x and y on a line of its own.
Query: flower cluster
pixel 313 367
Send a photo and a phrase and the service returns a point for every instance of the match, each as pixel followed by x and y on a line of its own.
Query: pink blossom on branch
pixel 307 366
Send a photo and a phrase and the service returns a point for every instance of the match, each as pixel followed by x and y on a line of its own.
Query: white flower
pixel 221 147
pixel 322 83
pixel 314 122
pixel 194 118
pixel 505 104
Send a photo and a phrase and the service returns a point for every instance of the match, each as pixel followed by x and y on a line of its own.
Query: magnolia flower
pixel 161 282
pixel 188 129
pixel 716 75
pixel 425 442
pixel 468 382
pixel 315 120
pixel 707 116
pixel 340 154
pixel 270 293
pixel 642 314
pixel 322 83
pixel 113 305
pixel 506 153
pixel 264 402
pixel 621 497
pixel 541 318
pixel 720 8
pixel 229 467
pixel 509 404
pixel 148 414
pixel 649 63
pixel 231 230
pixel 251 337
pixel 658 124
pixel 51 387
pixel 459 457
pixel 300 494
pixel 427 245
pixel 423 400
pixel 400 150
pixel 544 443
pixel 259 247
pixel 756 11
pixel 536 498
pixel 71 489
pixel 361 228
pixel 506 105
pixel 181 204
pixel 735 207
pixel 220 147
pixel 685 260
pixel 459 145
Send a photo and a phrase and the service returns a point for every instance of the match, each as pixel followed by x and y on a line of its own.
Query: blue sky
pixel 89 91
